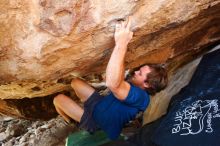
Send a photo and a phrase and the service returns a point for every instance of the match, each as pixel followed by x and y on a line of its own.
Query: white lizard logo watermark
pixel 196 117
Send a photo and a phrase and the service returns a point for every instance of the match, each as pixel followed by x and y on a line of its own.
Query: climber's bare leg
pixel 82 89
pixel 65 117
pixel 67 108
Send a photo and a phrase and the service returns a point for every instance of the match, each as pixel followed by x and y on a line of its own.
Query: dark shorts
pixel 87 122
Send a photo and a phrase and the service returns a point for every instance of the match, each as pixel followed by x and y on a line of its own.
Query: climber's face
pixel 140 76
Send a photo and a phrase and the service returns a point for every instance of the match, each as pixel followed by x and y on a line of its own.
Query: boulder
pixel 46 43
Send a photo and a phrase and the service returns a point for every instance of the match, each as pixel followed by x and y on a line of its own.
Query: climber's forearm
pixel 115 67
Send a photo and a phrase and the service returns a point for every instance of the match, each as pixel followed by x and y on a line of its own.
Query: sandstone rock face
pixel 45 43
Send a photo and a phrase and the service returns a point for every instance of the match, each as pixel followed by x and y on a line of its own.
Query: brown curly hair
pixel 157 79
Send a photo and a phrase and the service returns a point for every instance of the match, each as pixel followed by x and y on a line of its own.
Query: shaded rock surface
pixel 15 132
pixel 45 43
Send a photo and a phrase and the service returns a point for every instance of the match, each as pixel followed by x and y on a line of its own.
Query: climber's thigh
pixel 68 106
pixel 82 89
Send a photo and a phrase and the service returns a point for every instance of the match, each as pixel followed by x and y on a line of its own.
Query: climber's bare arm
pixel 115 68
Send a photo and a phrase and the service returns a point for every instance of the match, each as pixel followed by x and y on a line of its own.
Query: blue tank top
pixel 111 114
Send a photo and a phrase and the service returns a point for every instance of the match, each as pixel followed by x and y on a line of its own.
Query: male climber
pixel 127 98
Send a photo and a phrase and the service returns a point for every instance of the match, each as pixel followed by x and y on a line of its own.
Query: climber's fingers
pixel 128 24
